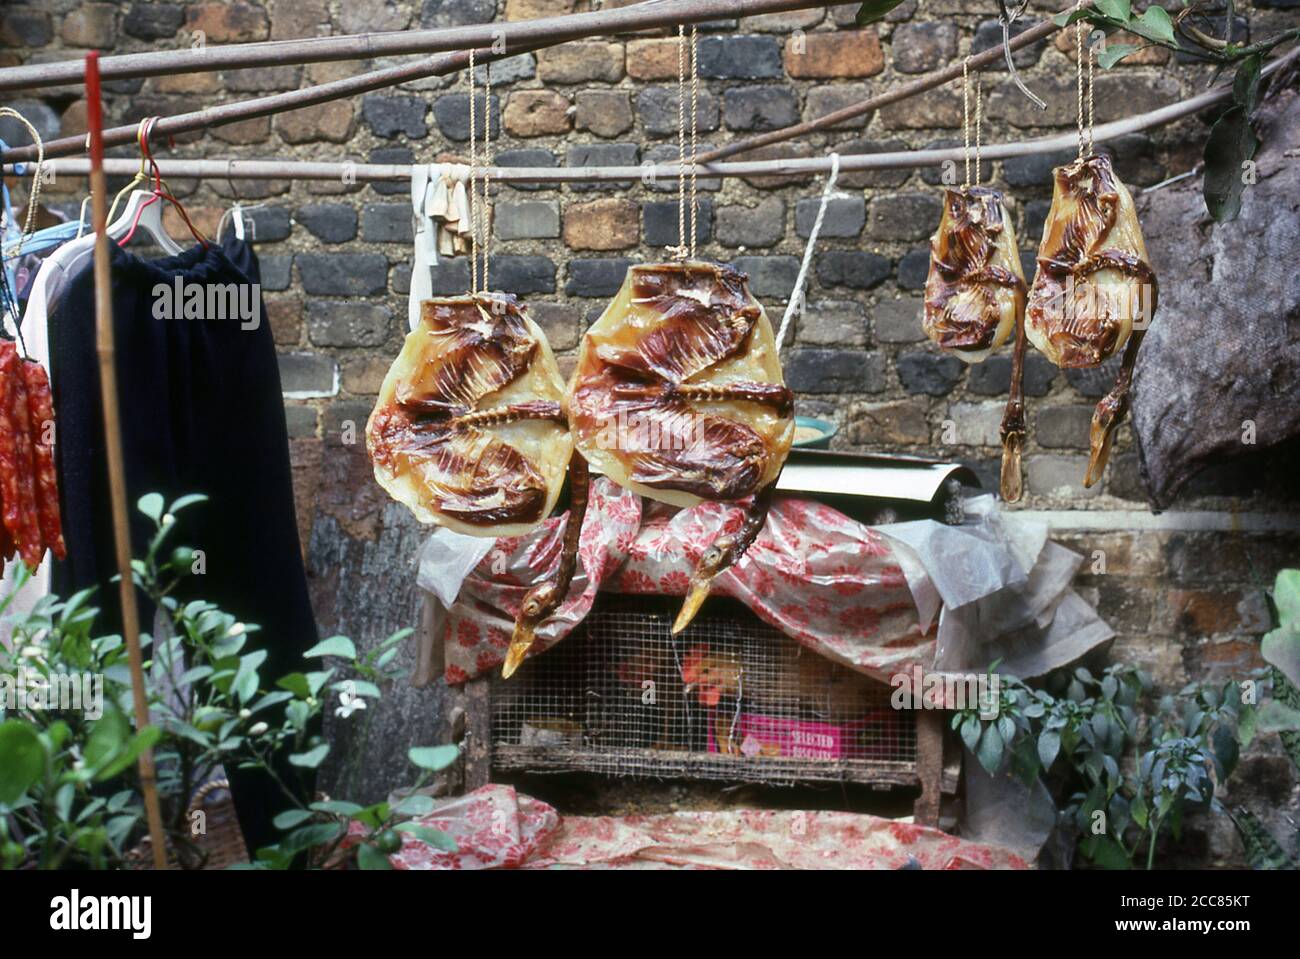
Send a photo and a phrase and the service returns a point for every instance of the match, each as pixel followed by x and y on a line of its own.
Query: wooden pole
pixel 113 442
pixel 515 36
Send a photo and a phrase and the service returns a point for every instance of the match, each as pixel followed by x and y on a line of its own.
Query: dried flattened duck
pixel 1094 294
pixel 470 433
pixel 678 396
pixel 469 430
pixel 975 292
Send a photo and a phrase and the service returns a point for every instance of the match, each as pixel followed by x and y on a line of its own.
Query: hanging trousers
pixel 201 412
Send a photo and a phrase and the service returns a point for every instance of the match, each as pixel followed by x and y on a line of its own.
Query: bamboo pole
pixel 113 442
pixel 514 36
pixel 441 66
pixel 811 166
pixel 224 113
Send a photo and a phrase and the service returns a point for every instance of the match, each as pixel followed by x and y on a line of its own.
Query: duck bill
pixel 1010 484
pixel 1102 433
pixel 520 643
pixel 695 597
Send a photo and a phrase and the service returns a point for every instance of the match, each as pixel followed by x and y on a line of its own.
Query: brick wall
pixel 336 257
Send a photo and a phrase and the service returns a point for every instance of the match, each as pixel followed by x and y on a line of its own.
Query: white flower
pixel 350 705
pixel 168 519
pixel 257 729
pixel 244 713
pixel 236 630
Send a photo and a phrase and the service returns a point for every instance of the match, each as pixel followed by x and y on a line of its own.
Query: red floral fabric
pixel 823 579
pixel 496 827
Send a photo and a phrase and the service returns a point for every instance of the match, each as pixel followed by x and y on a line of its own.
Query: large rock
pixel 1219 373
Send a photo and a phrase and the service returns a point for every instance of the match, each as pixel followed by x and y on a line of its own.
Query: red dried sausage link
pixel 17 470
pixel 6 541
pixel 40 410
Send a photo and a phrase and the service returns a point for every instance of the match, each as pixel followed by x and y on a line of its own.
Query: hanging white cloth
pixel 440 214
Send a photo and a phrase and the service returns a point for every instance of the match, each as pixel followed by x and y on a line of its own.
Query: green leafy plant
pixel 1125 781
pixel 1281 714
pixel 69 791
pixel 1232 142
pixel 873 10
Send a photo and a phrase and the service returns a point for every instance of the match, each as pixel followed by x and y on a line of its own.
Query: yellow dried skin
pixel 678 393
pixel 468 430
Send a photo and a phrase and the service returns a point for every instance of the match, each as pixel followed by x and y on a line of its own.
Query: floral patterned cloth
pixel 821 578
pixel 496 827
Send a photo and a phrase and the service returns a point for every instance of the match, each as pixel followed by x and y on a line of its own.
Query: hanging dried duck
pixel 678 393
pixel 1094 293
pixel 975 291
pixel 468 431
pixel 678 396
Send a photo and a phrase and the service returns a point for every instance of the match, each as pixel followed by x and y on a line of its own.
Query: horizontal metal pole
pixel 811 166
pixel 515 35
pixel 224 113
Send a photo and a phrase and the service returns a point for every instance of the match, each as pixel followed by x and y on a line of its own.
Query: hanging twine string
pixel 473 179
pixel 796 296
pixel 680 251
pixel 1092 111
pixel 695 109
pixel 965 120
pixel 34 194
pixel 1085 142
pixel 487 164
pixel 965 117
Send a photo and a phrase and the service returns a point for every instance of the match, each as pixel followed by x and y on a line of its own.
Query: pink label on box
pixel 760 735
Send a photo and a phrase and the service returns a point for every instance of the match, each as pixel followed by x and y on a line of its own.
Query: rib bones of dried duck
pixel 678 396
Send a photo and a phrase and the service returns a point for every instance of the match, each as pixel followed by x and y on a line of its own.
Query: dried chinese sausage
pixel 1095 292
pixel 17 466
pixel 975 292
pixel 678 393
pixel 40 410
pixel 469 430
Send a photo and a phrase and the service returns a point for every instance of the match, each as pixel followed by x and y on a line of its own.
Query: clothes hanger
pixel 144 208
pixel 236 211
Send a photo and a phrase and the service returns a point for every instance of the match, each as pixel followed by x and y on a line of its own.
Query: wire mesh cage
pixel 731 698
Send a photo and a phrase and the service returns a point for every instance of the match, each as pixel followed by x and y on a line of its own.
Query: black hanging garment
pixel 202 412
